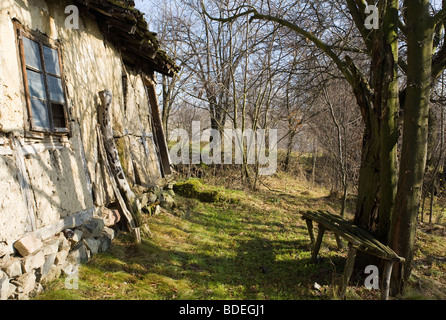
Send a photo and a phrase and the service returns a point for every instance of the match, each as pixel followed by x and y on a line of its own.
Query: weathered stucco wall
pixel 71 177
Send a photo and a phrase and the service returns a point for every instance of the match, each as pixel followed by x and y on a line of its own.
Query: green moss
pixel 193 188
pixel 121 148
pixel 121 3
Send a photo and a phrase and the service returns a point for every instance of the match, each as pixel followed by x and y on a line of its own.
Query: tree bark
pixel 415 133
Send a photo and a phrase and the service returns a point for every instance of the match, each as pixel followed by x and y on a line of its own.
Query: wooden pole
pixel 385 285
pixel 310 230
pixel 113 163
pixel 130 221
pixel 318 243
pixel 348 270
pixel 150 84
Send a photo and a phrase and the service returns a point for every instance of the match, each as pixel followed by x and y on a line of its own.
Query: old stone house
pixel 69 98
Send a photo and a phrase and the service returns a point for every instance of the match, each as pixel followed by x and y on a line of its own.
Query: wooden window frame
pixel 41 40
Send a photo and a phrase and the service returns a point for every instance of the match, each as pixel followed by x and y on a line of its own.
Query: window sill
pixel 43 137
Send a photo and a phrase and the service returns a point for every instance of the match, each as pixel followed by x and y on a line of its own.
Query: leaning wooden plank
pixel 105 119
pixel 73 221
pixel 158 125
pixel 130 221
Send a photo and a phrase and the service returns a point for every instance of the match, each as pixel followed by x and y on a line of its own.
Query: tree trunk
pixel 388 118
pixel 414 147
pixel 367 203
pixel 377 183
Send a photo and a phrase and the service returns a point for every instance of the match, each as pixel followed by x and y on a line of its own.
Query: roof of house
pixel 126 27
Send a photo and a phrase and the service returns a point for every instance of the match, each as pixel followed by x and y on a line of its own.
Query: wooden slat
pixel 359 238
pixel 72 221
pixel 131 222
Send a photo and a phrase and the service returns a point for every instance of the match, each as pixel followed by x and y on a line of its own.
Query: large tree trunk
pixel 367 203
pixel 415 132
pixel 377 183
pixel 388 118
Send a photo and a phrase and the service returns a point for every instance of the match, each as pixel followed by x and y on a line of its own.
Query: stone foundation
pixel 22 277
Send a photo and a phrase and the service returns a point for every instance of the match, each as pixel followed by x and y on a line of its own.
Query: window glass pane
pixel 58 115
pixel 36 84
pixel 51 60
pixel 56 90
pixel 32 53
pixel 40 113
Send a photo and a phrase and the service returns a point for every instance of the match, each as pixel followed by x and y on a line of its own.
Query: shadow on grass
pixel 256 269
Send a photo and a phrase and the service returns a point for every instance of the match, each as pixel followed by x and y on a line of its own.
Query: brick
pixel 28 245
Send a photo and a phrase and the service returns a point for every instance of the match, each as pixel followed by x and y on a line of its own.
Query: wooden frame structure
pixel 358 239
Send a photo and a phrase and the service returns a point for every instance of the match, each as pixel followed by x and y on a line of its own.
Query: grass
pixel 254 248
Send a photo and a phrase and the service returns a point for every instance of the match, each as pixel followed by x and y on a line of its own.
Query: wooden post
pixel 107 142
pixel 348 270
pixel 318 243
pixel 130 221
pixel 339 242
pixel 310 230
pixel 385 284
pixel 157 125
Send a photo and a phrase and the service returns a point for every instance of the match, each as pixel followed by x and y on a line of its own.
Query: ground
pixel 247 245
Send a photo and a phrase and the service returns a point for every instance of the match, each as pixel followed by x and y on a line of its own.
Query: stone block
pixel 108 232
pixel 13 267
pixel 37 289
pixel 105 244
pixel 93 245
pixel 77 236
pixel 64 244
pixel 33 262
pixel 49 261
pixel 6 288
pixel 6 249
pixel 28 244
pixel 152 197
pixel 61 257
pixel 110 216
pixel 25 283
pixel 93 227
pixel 167 201
pixel 79 254
pixel 53 274
pixel 51 247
